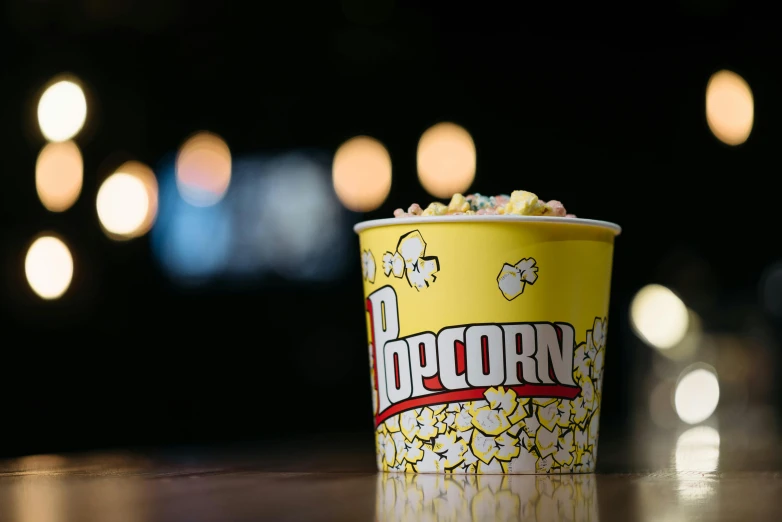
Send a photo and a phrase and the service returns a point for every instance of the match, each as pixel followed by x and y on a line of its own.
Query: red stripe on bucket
pixel 555 391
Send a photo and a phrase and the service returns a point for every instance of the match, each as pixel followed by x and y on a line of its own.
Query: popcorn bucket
pixel 487 341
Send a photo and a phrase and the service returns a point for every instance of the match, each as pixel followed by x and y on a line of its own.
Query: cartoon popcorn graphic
pixel 502 431
pixel 513 278
pixel 411 262
pixel 368 268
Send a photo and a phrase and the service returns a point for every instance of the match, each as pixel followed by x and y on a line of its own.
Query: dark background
pixel 601 109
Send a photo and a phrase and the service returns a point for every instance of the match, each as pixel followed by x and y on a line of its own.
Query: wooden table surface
pixel 657 479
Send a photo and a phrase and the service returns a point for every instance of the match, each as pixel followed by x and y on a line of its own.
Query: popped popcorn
pixel 502 432
pixel 519 203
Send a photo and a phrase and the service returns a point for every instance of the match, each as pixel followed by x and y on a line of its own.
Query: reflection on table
pixel 720 473
pixel 486 497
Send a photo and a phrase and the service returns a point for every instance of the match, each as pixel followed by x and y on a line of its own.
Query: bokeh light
pixel 361 174
pixel 122 204
pixel 693 341
pixel 730 107
pixel 446 160
pixel 698 449
pixel 302 232
pixel 147 177
pixel 203 169
pixel 280 214
pixel 659 317
pixel 697 395
pixel 48 267
pixel 62 111
pixel 59 173
pixel 41 502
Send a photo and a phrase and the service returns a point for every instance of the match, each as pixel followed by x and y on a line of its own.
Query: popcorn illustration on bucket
pixel 409 261
pixel 475 371
pixel 368 266
pixel 513 278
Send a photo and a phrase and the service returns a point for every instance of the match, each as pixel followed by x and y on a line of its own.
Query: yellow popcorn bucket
pixel 487 341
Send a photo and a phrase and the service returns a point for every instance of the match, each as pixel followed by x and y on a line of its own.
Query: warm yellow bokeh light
pixel 446 160
pixel 203 169
pixel 62 111
pixel 730 107
pixel 122 205
pixel 361 173
pixel 59 172
pixel 48 267
pixel 698 449
pixel 147 177
pixel 697 395
pixel 659 317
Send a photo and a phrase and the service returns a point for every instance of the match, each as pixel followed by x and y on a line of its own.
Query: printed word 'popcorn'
pixel 501 432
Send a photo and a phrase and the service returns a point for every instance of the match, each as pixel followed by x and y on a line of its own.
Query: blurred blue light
pixel 191 243
pixel 280 218
pixel 302 232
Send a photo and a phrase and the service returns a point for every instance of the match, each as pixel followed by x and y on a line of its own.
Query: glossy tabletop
pixel 694 476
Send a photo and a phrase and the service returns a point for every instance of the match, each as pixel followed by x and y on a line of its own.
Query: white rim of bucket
pixel 374 223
